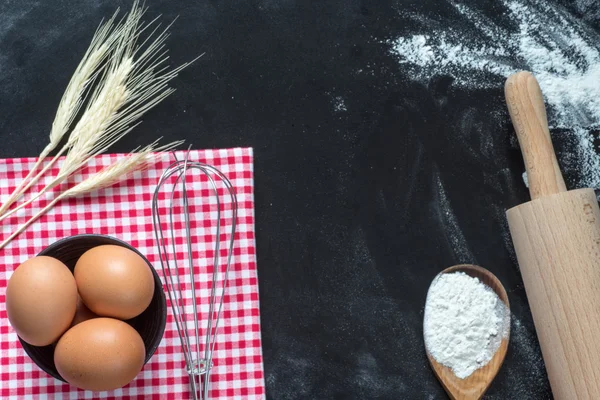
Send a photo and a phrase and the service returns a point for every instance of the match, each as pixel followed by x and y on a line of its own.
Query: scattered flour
pixel 339 105
pixel 453 231
pixel 464 322
pixel 534 35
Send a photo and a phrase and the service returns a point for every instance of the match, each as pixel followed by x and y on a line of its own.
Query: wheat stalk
pixel 71 102
pixel 134 81
pixel 106 177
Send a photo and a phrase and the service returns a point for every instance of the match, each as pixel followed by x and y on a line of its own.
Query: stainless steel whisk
pixel 191 335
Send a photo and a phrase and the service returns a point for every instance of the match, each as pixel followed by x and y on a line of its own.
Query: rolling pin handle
pixel 528 114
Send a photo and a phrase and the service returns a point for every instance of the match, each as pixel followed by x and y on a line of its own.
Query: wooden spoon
pixel 474 386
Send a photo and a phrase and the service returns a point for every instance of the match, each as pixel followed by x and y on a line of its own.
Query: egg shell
pixel 41 298
pixel 100 354
pixel 114 281
pixel 82 313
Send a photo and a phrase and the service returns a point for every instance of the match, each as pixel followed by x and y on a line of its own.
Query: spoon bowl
pixel 474 386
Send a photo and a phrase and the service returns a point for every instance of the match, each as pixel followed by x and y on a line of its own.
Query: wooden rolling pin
pixel 557 240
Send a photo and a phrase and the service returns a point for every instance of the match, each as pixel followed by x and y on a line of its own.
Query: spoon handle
pixel 526 108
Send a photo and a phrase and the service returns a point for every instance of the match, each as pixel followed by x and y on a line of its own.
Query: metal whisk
pixel 176 271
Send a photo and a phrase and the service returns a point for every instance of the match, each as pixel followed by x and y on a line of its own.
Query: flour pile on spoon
pixel 464 324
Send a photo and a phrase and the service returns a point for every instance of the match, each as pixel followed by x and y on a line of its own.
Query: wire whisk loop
pixel 174 233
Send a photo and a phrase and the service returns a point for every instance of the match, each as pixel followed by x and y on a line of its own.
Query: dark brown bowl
pixel 150 324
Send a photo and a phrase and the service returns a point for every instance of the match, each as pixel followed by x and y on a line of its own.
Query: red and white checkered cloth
pixel 124 211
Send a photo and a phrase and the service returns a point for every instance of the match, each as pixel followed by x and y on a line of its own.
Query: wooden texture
pixel 557 241
pixel 526 108
pixel 474 386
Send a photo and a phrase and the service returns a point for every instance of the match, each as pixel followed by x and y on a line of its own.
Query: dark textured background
pixel 357 208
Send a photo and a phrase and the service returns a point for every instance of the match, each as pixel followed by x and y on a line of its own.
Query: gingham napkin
pixel 124 211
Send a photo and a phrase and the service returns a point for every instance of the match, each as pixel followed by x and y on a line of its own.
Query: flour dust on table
pixel 464 324
pixel 559 49
pixel 454 233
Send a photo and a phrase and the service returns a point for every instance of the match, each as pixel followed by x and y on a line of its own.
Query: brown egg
pixel 100 354
pixel 82 313
pixel 114 281
pixel 41 298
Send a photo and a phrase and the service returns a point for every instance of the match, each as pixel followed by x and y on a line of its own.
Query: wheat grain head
pixel 73 97
pixel 137 160
pixel 134 79
pixel 133 83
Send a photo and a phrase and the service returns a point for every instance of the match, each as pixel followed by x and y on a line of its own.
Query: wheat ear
pixel 134 81
pixel 106 177
pixel 70 103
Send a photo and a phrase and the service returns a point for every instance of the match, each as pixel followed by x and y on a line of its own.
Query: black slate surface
pixel 357 206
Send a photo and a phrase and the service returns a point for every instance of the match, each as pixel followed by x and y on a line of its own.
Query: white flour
pixel 464 322
pixel 534 35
